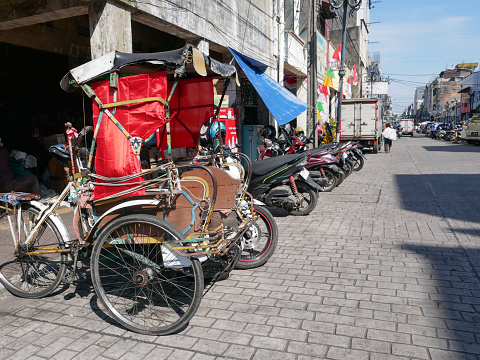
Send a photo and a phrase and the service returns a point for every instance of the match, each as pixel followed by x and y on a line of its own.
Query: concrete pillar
pixel 110 28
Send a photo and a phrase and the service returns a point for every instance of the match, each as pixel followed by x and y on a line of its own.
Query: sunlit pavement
pixel 385 268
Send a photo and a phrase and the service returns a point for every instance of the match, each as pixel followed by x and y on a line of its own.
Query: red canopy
pixel 114 156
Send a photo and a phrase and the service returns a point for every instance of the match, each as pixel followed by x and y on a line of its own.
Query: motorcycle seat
pixel 322 149
pixel 262 167
pixel 63 155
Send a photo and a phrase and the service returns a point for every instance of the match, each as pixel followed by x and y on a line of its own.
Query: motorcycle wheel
pixel 219 266
pixel 330 175
pixel 340 177
pixel 262 240
pixel 348 169
pixel 309 200
pixel 332 179
pixel 358 163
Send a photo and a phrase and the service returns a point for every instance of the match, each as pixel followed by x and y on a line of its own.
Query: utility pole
pixel 312 72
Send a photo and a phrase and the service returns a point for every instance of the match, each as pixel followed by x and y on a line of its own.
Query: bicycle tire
pixel 31 276
pixel 132 281
pixel 256 252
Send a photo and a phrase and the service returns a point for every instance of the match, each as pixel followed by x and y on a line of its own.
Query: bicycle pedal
pixel 70 277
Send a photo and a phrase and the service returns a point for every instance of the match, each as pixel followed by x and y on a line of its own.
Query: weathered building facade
pixel 41 40
pixel 443 93
pixel 470 95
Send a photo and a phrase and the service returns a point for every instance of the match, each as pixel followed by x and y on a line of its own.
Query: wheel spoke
pixel 30 275
pixel 132 282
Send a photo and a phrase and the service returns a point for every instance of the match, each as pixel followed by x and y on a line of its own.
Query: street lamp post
pixel 354 6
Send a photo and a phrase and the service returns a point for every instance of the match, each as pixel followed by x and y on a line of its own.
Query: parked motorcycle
pixel 288 141
pixel 356 155
pixel 260 240
pixel 324 169
pixel 283 182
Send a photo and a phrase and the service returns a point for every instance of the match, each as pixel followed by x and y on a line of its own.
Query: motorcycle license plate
pixel 304 173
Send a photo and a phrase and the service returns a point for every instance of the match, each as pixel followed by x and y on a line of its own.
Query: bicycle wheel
pixel 260 240
pixel 141 283
pixel 26 274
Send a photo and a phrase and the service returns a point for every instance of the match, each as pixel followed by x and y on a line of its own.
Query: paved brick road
pixel 385 268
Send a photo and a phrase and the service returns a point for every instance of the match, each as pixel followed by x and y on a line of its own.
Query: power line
pixel 405 85
pixel 407 82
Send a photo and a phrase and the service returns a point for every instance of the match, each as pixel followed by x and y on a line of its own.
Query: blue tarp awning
pixel 283 105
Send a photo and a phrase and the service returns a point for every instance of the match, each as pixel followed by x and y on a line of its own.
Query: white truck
pixel 408 126
pixel 361 121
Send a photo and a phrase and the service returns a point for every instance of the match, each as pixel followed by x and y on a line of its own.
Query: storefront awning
pixel 283 105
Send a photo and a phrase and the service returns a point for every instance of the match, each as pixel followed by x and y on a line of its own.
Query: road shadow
pixel 467 231
pixel 453 148
pixel 456 278
pixel 455 195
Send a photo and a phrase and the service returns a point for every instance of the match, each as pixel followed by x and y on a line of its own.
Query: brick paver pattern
pixel 386 267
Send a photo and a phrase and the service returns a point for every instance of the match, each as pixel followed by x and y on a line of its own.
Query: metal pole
pixel 341 71
pixel 312 71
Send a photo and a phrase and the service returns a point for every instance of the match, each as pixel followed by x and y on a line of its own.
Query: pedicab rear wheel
pixel 138 283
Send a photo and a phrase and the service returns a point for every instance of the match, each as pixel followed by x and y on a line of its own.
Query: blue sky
pixel 419 39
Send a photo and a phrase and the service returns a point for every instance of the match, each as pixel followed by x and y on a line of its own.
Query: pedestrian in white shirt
pixel 389 135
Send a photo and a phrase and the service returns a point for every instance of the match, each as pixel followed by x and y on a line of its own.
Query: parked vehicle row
pixel 468 132
pixel 154 230
pixel 329 164
pixel 152 234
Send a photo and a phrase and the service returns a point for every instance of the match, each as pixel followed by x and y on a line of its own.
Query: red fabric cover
pixel 191 106
pixel 114 156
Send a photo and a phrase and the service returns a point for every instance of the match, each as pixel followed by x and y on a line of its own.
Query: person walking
pixel 389 135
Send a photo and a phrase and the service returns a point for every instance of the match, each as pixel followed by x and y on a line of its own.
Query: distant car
pixel 472 135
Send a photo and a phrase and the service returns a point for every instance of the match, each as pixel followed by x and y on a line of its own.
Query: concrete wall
pixel 295 54
pixel 84 29
pixel 242 25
